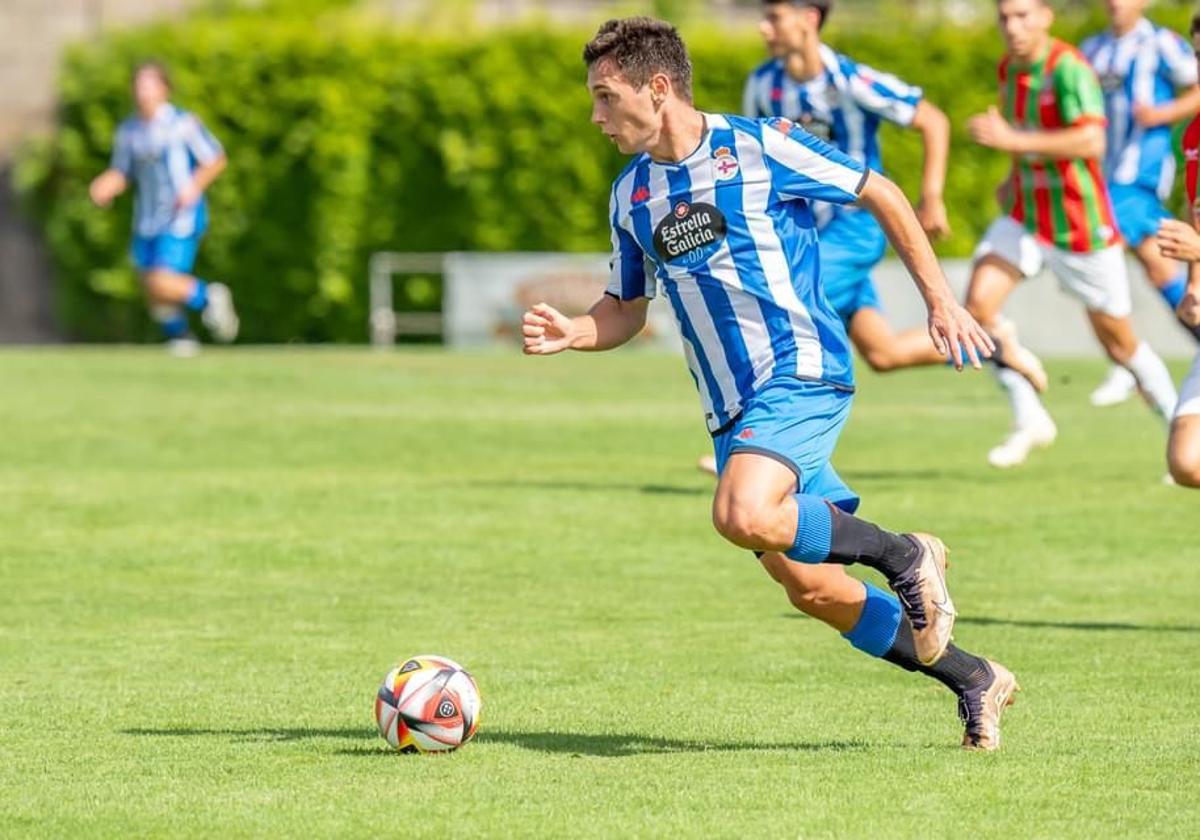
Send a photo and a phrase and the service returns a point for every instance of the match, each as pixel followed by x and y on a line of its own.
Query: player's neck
pixel 1035 55
pixel 150 113
pixel 805 63
pixel 1123 29
pixel 682 130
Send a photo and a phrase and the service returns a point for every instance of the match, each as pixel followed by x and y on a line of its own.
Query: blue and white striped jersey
pixel 160 155
pixel 1146 66
pixel 730 237
pixel 844 105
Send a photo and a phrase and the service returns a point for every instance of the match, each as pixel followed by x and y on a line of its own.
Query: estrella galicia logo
pixel 690 233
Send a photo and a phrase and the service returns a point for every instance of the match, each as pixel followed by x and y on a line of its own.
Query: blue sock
pixel 814 530
pixel 1174 291
pixel 876 630
pixel 175 327
pixel 199 298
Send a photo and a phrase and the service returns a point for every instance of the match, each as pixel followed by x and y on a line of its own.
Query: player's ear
pixel 660 88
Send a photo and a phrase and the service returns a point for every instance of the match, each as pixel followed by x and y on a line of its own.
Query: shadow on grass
pixel 599 486
pixel 625 744
pixel 984 621
pixel 258 733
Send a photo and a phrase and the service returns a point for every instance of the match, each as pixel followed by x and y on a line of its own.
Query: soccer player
pixel 1057 214
pixel 1182 242
pixel 1142 68
pixel 172 158
pixel 720 207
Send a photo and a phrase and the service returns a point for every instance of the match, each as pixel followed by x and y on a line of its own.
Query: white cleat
pixel 1021 441
pixel 183 348
pixel 219 316
pixel 1116 388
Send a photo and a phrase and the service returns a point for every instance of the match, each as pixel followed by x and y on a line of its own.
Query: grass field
pixel 207 566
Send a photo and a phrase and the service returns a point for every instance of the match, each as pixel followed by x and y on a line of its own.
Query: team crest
pixel 682 209
pixel 725 165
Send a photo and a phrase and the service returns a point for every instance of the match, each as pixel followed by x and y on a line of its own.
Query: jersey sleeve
pixel 1080 97
pixel 122 153
pixel 805 167
pixel 628 279
pixel 882 94
pixel 1178 58
pixel 200 142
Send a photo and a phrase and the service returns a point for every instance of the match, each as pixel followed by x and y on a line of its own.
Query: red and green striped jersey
pixel 1064 202
pixel 1191 166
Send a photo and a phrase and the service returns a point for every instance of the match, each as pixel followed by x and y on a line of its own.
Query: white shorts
pixel 1099 279
pixel 1189 392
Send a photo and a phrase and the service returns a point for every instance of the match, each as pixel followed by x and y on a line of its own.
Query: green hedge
pixel 346 138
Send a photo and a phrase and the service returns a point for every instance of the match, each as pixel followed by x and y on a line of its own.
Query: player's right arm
pixel 615 319
pixel 608 324
pixel 115 180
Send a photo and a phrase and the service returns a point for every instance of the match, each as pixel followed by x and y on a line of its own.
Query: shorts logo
pixel 690 234
pixel 745 434
pixel 725 165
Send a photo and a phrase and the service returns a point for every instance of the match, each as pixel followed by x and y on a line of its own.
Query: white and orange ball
pixel 427 704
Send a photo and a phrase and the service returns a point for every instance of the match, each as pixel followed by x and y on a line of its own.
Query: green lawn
pixel 207 566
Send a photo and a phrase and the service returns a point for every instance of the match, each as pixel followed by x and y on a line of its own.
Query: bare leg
pixel 1123 347
pixel 884 349
pixel 1183 452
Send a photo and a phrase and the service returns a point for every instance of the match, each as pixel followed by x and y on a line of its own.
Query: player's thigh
pixel 1160 269
pixel 1115 334
pixel 1006 254
pixel 752 484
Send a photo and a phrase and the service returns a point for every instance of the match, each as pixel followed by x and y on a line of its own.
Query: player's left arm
pixel 211 158
pixel 1081 106
pixel 905 105
pixel 1179 64
pixel 950 325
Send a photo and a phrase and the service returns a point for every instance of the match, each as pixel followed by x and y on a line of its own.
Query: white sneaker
pixel 1021 441
pixel 1116 388
pixel 219 315
pixel 183 348
pixel 707 464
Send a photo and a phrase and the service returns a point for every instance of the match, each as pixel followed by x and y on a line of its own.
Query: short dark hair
pixel 1195 23
pixel 823 7
pixel 156 67
pixel 641 47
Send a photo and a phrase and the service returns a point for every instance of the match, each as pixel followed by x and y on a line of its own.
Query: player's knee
pixel 1185 466
pixel 879 360
pixel 744 525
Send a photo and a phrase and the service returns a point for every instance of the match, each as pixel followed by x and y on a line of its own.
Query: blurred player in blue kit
pixel 172 159
pixel 716 212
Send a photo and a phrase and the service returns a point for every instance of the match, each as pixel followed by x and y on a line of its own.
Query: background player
pixel 1057 213
pixel 845 102
pixel 1141 68
pixel 173 159
pixel 721 208
pixel 1181 241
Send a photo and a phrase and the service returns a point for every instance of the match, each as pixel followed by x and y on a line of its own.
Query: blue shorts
pixel 850 247
pixel 1138 210
pixel 177 253
pixel 797 422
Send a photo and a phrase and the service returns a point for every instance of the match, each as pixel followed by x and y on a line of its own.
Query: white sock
pixel 1027 407
pixel 1154 379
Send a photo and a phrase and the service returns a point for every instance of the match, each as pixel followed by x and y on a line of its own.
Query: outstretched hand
pixel 547 331
pixel 953 329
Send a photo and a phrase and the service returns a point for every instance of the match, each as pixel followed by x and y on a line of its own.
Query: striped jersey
pixel 1145 66
pixel 1191 167
pixel 728 235
pixel 844 105
pixel 160 155
pixel 1063 201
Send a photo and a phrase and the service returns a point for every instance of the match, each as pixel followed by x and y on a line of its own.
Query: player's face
pixel 149 90
pixel 1125 13
pixel 786 28
pixel 1024 25
pixel 627 115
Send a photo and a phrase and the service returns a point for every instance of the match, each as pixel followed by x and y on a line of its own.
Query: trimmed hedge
pixel 345 138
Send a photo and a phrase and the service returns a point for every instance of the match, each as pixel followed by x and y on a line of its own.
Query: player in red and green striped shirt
pixel 1057 214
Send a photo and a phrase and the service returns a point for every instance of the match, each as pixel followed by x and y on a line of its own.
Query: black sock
pixel 858 541
pixel 957 669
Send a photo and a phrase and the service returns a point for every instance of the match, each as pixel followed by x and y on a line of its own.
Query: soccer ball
pixel 427 704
